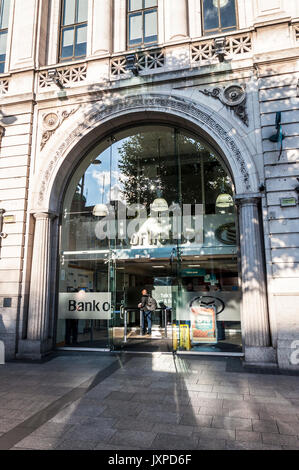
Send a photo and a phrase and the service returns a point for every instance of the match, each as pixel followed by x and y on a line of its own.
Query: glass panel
pixel 228 14
pixel 3 40
pixel 135 5
pixel 5 14
pixel 2 66
pixel 67 46
pixel 150 26
pixel 82 12
pixel 81 41
pixel 69 12
pixel 210 14
pixel 150 3
pixel 135 28
pixel 84 302
pixel 209 307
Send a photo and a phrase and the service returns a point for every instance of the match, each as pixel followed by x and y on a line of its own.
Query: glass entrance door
pixel 84 300
pixel 129 277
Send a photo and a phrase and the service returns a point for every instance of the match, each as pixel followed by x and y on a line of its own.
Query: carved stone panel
pixel 51 122
pixel 233 96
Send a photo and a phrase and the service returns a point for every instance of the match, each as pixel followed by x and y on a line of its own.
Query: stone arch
pixel 96 120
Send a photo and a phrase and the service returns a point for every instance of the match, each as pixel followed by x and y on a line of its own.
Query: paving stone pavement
pixel 133 401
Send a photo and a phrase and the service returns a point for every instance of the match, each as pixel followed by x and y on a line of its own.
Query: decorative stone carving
pixel 67 76
pixel 233 96
pixel 4 86
pixel 204 52
pixel 145 62
pixel 51 122
pixel 93 116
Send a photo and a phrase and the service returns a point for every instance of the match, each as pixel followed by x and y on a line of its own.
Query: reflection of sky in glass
pixel 97 178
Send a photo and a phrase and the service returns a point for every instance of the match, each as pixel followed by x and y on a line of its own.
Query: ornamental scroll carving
pixel 51 122
pixel 94 116
pixel 233 96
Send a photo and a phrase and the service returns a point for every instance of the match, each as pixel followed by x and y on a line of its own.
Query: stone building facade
pixel 227 85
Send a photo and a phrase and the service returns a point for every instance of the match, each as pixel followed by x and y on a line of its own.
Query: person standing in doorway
pixel 147 306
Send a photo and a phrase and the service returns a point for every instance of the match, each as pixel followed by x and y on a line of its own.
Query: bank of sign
pixel 85 305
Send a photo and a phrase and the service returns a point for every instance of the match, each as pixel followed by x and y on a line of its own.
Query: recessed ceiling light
pixel 158 267
pixel 193 265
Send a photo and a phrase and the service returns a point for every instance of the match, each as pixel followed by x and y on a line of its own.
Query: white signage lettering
pixel 85 305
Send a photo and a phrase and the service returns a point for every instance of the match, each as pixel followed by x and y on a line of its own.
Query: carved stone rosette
pixel 233 96
pixel 51 122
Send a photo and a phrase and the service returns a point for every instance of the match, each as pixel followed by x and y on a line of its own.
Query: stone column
pixel 255 320
pixel 101 24
pixel 176 21
pixel 37 341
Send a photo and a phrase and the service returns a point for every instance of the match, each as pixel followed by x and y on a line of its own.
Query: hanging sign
pixel 193 272
pixel 85 305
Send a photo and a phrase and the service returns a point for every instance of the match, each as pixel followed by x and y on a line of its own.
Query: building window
pixel 73 33
pixel 142 22
pixel 219 16
pixel 4 17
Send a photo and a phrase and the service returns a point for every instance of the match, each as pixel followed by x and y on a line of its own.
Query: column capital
pixel 43 215
pixel 247 199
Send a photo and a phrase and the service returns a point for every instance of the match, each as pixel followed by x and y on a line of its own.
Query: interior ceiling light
pixel 222 3
pixel 100 210
pixel 159 205
pixel 224 200
pixel 158 267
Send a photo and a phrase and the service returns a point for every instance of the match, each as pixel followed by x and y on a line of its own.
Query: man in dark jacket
pixel 146 313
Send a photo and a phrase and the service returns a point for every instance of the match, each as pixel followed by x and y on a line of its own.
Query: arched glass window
pixel 73 31
pixel 150 206
pixel 142 22
pixel 4 17
pixel 219 16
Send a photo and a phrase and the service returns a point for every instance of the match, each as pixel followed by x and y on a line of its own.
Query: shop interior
pixel 214 279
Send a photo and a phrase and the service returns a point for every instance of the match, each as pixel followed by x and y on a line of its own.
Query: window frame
pixel 75 26
pixel 219 30
pixel 143 12
pixel 5 31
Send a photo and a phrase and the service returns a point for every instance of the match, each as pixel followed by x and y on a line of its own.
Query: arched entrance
pixel 150 207
pixel 100 121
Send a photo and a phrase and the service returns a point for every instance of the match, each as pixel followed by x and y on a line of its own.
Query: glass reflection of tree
pixel 149 170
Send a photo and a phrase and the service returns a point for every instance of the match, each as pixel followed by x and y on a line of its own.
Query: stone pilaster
pixel 176 21
pixel 255 320
pixel 101 14
pixel 119 29
pixel 37 342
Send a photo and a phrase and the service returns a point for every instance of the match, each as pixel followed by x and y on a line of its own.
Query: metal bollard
pixel 2 353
